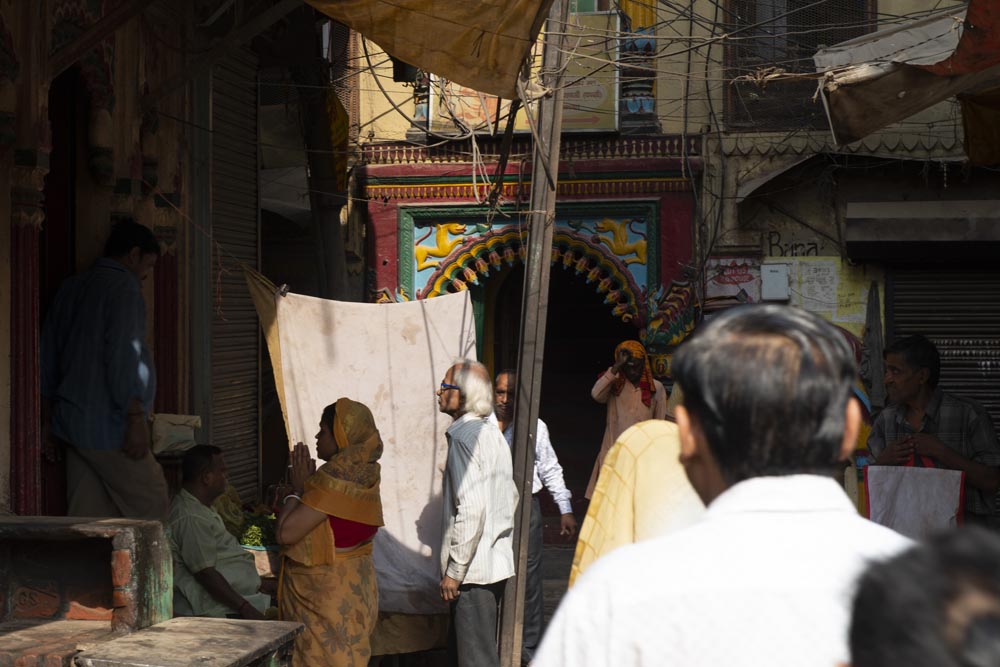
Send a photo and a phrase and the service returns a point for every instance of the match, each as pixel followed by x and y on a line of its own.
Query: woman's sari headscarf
pixel 346 486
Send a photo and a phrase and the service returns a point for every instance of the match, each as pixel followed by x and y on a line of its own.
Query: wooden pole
pixel 534 308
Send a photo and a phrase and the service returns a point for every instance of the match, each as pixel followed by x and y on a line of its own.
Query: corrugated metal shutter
pixel 960 312
pixel 235 226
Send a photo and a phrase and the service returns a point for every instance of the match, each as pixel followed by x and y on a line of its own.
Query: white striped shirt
pixel 548 471
pixel 479 501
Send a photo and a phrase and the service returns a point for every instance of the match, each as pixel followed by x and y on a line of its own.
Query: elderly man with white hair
pixel 480 497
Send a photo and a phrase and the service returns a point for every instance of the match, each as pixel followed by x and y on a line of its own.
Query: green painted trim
pixel 404 251
pixel 410 217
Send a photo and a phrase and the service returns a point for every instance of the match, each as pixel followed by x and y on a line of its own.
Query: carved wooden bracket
pixel 27 184
pixel 165 220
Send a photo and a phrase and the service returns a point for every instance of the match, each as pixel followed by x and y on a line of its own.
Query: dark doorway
pixel 57 240
pixel 581 335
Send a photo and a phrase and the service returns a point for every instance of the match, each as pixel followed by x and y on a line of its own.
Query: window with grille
pixel 582 6
pixel 772 35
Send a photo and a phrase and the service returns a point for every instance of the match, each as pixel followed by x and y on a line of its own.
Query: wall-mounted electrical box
pixel 774 285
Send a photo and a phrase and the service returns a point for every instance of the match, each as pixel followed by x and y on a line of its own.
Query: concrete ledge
pixel 206 642
pixel 41 643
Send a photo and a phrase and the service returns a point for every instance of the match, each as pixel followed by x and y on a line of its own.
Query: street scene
pixel 414 333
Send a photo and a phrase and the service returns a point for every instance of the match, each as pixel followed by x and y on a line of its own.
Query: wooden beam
pixel 547 132
pixel 66 57
pixel 237 36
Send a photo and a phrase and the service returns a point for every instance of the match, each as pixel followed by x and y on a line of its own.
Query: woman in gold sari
pixel 327 526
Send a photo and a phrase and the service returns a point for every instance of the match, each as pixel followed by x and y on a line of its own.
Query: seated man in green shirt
pixel 213 574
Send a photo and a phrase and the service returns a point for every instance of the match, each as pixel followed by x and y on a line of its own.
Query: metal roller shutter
pixel 235 226
pixel 960 312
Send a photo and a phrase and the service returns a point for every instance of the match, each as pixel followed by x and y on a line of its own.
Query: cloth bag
pixel 915 501
pixel 174 433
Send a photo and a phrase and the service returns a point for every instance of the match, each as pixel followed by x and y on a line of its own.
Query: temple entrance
pixel 581 334
pixel 57 242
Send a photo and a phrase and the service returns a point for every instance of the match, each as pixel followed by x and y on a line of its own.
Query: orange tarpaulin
pixel 979 46
pixel 481 45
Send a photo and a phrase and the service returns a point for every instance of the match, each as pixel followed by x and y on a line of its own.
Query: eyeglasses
pixel 445 386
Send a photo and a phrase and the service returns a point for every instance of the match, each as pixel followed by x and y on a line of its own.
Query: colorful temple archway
pixel 479 256
pixel 611 245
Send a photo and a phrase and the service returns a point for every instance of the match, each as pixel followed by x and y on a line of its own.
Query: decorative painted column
pixel 27 215
pixel 638 69
pixel 123 197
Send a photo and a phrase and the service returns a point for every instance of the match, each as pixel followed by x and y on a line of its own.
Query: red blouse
pixel 347 534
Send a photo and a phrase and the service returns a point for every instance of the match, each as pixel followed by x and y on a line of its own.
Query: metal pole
pixel 534 308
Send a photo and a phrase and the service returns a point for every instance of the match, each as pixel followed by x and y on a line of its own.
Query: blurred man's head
pixel 936 605
pixel 912 368
pixel 503 395
pixel 466 388
pixel 204 472
pixel 134 246
pixel 766 392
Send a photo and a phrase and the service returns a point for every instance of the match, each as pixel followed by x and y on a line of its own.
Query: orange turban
pixel 646 384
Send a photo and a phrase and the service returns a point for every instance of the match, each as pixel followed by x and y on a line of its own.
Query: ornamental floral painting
pixel 613 246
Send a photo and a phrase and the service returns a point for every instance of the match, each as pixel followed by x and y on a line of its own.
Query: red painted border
pixel 25 436
pixel 165 333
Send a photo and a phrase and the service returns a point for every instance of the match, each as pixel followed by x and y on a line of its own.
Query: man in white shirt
pixel 477 554
pixel 549 473
pixel 766 577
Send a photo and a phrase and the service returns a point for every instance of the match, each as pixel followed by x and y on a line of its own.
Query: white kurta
pixel 766 578
pixel 480 499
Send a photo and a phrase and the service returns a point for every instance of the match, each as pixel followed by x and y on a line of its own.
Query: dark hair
pixel 919 353
pixel 768 385
pixel 935 605
pixel 126 235
pixel 507 371
pixel 329 414
pixel 198 460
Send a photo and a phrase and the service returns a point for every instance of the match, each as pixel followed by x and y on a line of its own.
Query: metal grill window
pixel 772 35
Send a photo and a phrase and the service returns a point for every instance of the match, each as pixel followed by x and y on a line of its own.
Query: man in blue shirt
pixel 98 383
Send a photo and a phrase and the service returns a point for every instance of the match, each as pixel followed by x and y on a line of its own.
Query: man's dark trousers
pixel 534 608
pixel 472 638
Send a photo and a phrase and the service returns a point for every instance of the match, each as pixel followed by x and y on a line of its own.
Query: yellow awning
pixel 480 44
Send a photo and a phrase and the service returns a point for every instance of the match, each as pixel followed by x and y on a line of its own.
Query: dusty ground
pixel 556 562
